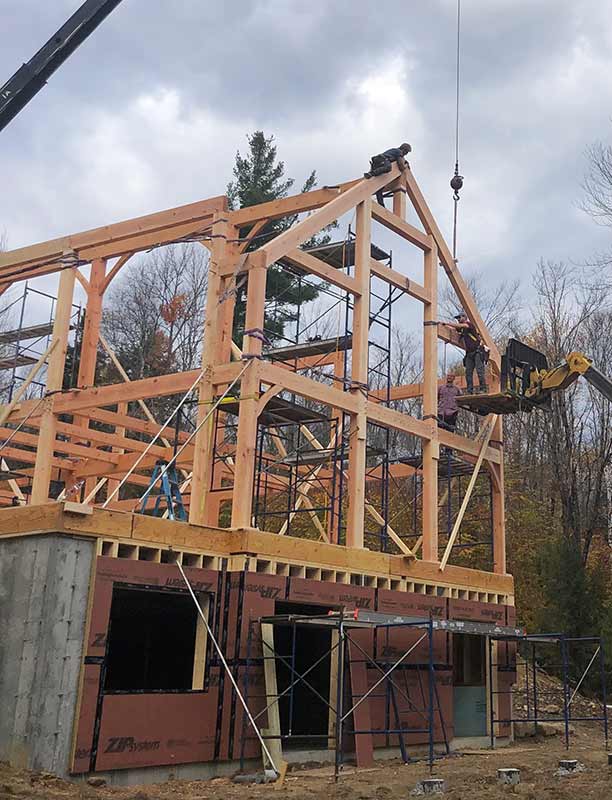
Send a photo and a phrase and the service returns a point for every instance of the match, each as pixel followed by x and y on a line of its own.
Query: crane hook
pixel 456 182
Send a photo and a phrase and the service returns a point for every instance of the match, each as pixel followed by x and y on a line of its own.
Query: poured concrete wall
pixel 44 586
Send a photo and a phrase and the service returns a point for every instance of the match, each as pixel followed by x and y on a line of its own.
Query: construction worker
pixel 383 162
pixel 447 403
pixel 475 353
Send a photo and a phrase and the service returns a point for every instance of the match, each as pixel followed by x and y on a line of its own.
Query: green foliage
pixel 575 593
pixel 260 178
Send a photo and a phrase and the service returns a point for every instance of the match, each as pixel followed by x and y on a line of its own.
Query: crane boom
pixel 600 381
pixel 31 77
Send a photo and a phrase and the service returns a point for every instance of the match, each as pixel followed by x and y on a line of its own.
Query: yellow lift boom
pixel 528 383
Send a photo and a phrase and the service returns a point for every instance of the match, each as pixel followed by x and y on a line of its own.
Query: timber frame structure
pixel 91 464
pixel 88 584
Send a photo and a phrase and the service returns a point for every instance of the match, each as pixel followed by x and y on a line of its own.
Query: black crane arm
pixel 31 77
pixel 600 381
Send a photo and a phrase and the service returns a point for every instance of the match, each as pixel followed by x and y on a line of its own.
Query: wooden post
pixel 242 499
pixel 199 511
pixel 399 202
pixel 89 344
pixel 55 377
pixel 122 408
pixel 91 328
pixel 498 503
pixel 274 727
pixel 431 448
pixel 359 379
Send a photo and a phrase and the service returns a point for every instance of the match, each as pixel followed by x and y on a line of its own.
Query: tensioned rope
pixel 228 670
pixel 194 432
pixel 163 427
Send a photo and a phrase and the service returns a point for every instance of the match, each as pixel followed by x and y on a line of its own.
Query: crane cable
pixel 457 179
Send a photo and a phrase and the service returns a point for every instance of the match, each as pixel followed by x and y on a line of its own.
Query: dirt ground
pixel 469 776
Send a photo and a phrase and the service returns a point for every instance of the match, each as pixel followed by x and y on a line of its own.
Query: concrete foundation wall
pixel 44 588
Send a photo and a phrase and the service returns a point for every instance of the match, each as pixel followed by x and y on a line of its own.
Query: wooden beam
pixel 498 501
pixel 202 510
pixel 410 391
pixel 158 386
pixel 355 527
pixel 80 278
pixel 55 376
pixel 114 271
pixel 128 422
pixel 306 387
pixel 400 281
pixel 314 266
pixel 109 241
pixel 399 201
pixel 455 278
pixel 58 445
pixel 431 447
pixel 470 447
pixel 288 206
pixel 329 213
pixel 274 745
pixel 91 331
pixel 246 437
pixel 398 225
pixel 390 418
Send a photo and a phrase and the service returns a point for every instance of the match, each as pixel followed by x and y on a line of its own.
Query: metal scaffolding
pixel 535 698
pixel 347 651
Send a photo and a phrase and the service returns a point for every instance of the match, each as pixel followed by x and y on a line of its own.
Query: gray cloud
pixel 150 111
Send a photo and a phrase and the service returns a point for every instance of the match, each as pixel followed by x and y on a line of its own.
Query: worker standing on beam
pixel 475 353
pixel 383 162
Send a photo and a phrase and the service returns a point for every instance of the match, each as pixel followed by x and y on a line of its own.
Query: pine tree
pixel 259 178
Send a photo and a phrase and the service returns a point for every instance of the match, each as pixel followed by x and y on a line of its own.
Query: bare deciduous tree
pixel 573 314
pixel 155 311
pixel 499 304
pixel 597 183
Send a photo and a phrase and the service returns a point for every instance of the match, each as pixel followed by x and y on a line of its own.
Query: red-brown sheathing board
pixel 253 595
pixel 480 612
pixel 331 595
pixel 115 570
pixel 140 729
pixel 87 718
pixel 412 697
pixel 364 748
pixel 394 642
pixel 146 730
pixel 173 728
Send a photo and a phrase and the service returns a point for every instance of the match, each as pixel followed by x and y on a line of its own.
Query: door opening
pixel 469 685
pixel 305 715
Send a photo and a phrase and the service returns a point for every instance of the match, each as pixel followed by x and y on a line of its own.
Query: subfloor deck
pixel 145 538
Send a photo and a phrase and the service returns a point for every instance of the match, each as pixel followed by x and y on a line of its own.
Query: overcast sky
pixel 149 112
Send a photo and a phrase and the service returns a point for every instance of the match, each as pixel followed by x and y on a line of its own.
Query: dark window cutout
pixel 468 660
pixel 152 641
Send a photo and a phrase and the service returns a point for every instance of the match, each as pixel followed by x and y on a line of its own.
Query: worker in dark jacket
pixel 448 409
pixel 383 162
pixel 475 353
